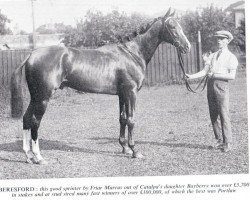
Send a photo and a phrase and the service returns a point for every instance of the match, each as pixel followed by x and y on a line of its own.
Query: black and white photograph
pixel 123 99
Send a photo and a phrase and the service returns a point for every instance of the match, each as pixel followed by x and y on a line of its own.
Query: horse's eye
pixel 171 27
pixel 171 24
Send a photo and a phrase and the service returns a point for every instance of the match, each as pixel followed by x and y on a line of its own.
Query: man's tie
pixel 218 55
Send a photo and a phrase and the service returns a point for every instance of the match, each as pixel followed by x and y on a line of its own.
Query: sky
pixel 68 11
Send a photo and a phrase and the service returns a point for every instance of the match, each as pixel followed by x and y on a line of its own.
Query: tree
pixel 208 20
pixel 53 28
pixel 98 29
pixel 45 29
pixel 3 21
pixel 75 37
pixel 22 32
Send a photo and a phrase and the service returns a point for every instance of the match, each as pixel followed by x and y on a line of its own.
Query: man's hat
pixel 224 34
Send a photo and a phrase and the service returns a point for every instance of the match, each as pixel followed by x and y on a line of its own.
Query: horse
pixel 114 69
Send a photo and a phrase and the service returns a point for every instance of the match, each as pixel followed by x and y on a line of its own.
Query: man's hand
pixel 210 75
pixel 188 76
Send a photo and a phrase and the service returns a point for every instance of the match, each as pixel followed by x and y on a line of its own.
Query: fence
pixel 9 61
pixel 163 67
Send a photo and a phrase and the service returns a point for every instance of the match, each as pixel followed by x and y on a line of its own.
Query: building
pixel 238 10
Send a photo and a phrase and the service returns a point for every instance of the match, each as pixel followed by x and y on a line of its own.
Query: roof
pixel 239 5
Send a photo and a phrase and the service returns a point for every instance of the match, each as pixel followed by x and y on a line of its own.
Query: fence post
pixel 199 51
pixel 33 25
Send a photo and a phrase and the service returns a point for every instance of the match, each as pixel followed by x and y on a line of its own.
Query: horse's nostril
pixel 187 48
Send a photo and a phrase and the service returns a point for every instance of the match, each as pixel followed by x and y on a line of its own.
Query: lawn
pixel 79 136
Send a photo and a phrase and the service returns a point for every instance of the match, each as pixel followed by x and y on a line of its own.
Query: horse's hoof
pixel 137 155
pixel 127 151
pixel 42 162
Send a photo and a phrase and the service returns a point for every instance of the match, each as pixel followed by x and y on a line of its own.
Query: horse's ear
pixel 167 14
pixel 172 14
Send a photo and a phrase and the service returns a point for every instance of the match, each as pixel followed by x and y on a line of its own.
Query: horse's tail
pixel 17 91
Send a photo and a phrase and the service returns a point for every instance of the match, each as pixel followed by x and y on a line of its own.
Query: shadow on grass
pixel 56 145
pixel 62 146
pixel 10 160
pixel 106 140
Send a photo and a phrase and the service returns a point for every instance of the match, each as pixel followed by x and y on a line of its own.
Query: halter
pixel 175 42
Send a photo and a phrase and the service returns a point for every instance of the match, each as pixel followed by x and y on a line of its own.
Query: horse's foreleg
pixel 39 110
pixel 130 111
pixel 123 124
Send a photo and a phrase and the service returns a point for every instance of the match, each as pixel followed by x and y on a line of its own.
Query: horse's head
pixel 172 33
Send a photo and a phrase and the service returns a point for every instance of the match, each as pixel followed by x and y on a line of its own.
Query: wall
pixel 25 41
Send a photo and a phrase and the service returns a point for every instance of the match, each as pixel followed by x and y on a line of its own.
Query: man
pixel 220 67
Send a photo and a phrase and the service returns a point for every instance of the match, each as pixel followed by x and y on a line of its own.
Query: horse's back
pixel 103 70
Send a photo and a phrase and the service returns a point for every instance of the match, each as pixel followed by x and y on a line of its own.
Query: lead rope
pixel 204 79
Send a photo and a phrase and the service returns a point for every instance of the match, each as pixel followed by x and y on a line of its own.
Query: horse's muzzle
pixel 185 49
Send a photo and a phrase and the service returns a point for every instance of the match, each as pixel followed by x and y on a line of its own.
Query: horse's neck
pixel 149 41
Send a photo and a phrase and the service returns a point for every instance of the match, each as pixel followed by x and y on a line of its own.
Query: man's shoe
pixel 218 145
pixel 226 148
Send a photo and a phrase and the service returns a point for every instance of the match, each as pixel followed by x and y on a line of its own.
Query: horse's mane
pixel 135 33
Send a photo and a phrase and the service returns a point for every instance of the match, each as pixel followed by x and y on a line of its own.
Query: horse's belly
pixel 93 84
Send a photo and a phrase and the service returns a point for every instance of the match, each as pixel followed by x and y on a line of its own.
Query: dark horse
pixel 116 69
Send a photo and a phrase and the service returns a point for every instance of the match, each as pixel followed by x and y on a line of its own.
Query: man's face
pixel 222 42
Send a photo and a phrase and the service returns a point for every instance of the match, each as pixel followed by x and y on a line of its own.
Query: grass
pixel 79 136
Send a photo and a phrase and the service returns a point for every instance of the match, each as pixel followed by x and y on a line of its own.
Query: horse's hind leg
pixel 123 124
pixel 26 146
pixel 27 121
pixel 39 110
pixel 31 120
